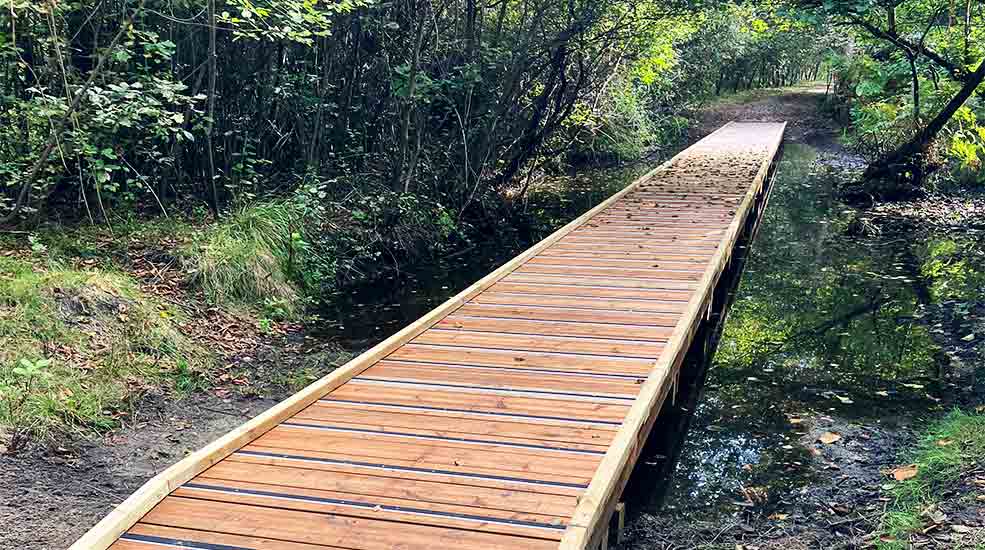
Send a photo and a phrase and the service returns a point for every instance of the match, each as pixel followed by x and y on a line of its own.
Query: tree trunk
pixel 214 202
pixel 401 176
pixel 907 162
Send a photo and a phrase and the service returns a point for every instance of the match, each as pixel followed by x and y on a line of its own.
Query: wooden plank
pixel 555 327
pixel 553 437
pixel 325 529
pixel 663 249
pixel 569 314
pixel 676 279
pixel 482 357
pixel 591 514
pixel 447 423
pixel 538 342
pixel 376 508
pixel 507 484
pixel 549 284
pixel 493 501
pixel 155 537
pixel 552 407
pixel 682 292
pixel 582 302
pixel 483 458
pixel 651 233
pixel 505 378
pixel 663 265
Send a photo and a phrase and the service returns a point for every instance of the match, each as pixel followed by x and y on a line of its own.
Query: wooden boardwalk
pixel 507 418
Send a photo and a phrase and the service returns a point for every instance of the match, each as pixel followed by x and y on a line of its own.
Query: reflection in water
pixel 360 316
pixel 823 322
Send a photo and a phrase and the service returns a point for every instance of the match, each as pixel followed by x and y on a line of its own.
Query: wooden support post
pixel 619 522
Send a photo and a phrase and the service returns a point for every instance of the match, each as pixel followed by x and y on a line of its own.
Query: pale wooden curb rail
pixel 595 505
pixel 590 520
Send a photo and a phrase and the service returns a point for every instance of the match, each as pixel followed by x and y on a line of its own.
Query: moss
pixel 96 341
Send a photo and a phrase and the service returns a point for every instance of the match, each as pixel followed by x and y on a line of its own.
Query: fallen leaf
pixel 969 337
pixel 779 517
pixel 961 529
pixel 944 442
pixel 828 438
pixel 796 420
pixel 882 393
pixel 904 473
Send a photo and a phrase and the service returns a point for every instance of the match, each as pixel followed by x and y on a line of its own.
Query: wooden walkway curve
pixel 507 418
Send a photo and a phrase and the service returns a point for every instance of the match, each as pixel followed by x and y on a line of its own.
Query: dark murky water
pixel 823 323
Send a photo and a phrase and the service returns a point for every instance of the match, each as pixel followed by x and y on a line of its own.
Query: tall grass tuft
pixel 250 257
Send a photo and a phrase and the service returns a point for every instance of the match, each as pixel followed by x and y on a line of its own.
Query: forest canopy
pixel 158 104
pixel 361 128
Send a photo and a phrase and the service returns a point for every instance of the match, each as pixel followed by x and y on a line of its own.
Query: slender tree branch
pixel 56 132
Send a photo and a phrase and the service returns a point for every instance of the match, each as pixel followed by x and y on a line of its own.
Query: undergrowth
pixel 251 257
pixel 76 346
pixel 948 449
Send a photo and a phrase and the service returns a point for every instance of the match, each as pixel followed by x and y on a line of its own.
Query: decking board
pixel 507 418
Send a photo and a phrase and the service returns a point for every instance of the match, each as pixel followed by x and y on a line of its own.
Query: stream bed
pixel 839 325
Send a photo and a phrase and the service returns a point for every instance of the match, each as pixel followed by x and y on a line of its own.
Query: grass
pixel 77 345
pixel 948 449
pixel 249 258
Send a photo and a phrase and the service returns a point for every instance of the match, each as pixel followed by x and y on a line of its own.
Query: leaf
pixel 828 438
pixel 969 337
pixel 904 473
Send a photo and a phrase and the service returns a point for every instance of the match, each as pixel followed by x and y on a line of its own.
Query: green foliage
pixel 955 269
pixel 901 71
pixel 947 449
pixel 320 91
pixel 251 257
pixel 76 346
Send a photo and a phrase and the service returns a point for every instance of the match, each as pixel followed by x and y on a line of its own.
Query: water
pixel 825 322
pixel 359 316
